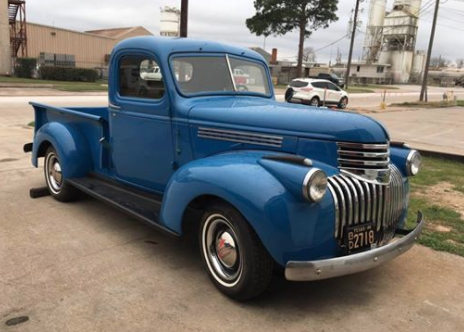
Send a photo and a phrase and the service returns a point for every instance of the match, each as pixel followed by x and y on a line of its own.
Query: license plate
pixel 360 237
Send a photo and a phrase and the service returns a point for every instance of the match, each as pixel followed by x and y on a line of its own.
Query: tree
pixel 278 17
pixel 309 55
pixel 460 63
pixel 439 62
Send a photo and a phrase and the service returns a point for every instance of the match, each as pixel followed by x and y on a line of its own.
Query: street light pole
pixel 423 94
pixel 353 35
pixel 184 18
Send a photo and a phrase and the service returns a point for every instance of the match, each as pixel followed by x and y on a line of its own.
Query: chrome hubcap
pixel 221 250
pixel 55 176
pixel 314 102
pixel 226 251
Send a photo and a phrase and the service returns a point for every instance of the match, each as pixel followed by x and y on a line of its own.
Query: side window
pixel 140 77
pixel 319 85
pixel 332 86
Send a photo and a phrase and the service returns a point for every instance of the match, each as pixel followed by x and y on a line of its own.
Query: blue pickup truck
pixel 279 187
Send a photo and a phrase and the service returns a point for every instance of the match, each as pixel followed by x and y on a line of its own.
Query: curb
pixel 442 155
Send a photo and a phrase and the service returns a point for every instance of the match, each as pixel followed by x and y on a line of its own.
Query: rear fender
pixel 288 226
pixel 70 144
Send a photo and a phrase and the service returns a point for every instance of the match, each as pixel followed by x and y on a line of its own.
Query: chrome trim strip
pixel 368 201
pixel 335 267
pixel 355 201
pixel 374 204
pixel 363 146
pixel 343 207
pixel 349 205
pixel 351 153
pixel 380 207
pixel 231 72
pixel 240 137
pixel 362 200
pixel 385 162
pixel 337 209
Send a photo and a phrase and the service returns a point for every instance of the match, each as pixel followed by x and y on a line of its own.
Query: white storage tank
pixel 377 13
pixel 410 6
pixel 169 21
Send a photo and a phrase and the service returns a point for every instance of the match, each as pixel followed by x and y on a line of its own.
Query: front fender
pixel 70 144
pixel 288 226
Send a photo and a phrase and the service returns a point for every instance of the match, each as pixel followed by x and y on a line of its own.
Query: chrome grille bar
pixel 358 202
pixel 369 162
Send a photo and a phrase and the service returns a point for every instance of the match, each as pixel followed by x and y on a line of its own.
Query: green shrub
pixel 68 74
pixel 24 67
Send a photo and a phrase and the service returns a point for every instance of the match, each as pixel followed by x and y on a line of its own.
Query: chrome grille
pixel 240 137
pixel 359 202
pixel 365 161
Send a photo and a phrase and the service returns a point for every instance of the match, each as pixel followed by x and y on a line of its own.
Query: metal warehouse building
pixel 54 46
pixel 70 48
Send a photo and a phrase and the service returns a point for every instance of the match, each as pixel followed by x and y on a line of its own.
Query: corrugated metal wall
pixel 5 51
pixel 89 50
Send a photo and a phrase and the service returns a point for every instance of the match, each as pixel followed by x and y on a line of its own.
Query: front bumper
pixel 335 267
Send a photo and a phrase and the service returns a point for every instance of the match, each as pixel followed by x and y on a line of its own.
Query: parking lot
pixel 84 266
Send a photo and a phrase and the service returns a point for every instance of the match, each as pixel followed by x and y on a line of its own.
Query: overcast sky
pixel 225 21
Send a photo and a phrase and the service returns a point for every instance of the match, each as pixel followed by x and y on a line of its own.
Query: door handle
pixel 113 106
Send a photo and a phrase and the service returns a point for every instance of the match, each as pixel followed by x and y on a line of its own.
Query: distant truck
pixel 334 78
pixel 313 193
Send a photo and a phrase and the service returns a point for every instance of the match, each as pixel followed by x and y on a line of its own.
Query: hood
pixel 269 116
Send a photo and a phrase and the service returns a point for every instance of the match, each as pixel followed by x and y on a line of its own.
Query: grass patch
pixel 436 170
pixel 59 85
pixel 433 172
pixel 460 103
pixel 359 89
pixel 31 124
pixel 423 104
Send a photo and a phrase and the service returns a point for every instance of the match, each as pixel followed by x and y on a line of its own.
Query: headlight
pixel 315 185
pixel 413 162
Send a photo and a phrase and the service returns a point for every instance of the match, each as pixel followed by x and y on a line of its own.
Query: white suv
pixel 316 92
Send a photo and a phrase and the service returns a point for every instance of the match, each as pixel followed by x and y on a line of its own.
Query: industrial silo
pixel 169 21
pixel 373 40
pixel 399 37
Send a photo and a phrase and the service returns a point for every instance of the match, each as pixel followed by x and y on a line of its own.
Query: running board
pixel 140 205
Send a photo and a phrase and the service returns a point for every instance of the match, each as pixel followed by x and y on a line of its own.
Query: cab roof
pixel 163 47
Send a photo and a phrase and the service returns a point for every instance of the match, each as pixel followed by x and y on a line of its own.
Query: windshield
pixel 206 74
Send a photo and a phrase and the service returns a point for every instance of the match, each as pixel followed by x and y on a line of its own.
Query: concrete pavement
pixel 83 266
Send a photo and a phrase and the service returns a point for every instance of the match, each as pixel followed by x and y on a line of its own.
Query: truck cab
pixel 312 192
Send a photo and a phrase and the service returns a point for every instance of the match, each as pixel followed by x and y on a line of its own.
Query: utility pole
pixel 184 18
pixel 353 35
pixel 423 94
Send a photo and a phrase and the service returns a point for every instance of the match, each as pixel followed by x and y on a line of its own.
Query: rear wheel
pixel 343 103
pixel 314 102
pixel 56 183
pixel 236 261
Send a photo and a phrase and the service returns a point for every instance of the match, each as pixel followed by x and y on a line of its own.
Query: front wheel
pixel 343 103
pixel 235 259
pixel 56 183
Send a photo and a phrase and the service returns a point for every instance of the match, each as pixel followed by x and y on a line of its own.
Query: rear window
pixel 298 84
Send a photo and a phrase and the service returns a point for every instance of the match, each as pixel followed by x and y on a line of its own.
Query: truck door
pixel 140 123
